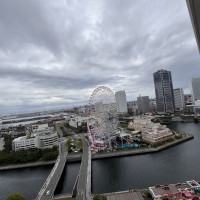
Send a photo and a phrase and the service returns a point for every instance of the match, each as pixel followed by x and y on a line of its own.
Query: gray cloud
pixel 54 53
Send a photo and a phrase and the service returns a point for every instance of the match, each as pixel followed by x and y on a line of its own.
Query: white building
pixel 23 143
pixel 2 142
pixel 178 191
pixel 152 132
pixel 157 134
pixel 120 97
pixel 39 127
pixel 195 89
pixel 46 138
pixel 142 124
pixel 78 121
pixel 179 98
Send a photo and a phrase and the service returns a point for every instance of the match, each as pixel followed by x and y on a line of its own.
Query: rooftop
pixel 19 139
pixel 164 189
pixel 126 196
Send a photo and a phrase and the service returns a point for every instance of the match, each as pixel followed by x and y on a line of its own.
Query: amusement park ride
pixel 103 131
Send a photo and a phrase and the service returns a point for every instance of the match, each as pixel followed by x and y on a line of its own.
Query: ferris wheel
pixel 103 122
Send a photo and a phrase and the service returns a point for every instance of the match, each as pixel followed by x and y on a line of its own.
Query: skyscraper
pixel 120 97
pixel 195 89
pixel 164 91
pixel 143 104
pixel 179 98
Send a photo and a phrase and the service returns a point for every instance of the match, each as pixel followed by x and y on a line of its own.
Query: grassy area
pixel 72 145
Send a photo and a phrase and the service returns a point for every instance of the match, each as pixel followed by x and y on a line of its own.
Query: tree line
pixel 30 155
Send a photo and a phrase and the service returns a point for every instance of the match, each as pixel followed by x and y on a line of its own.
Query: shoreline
pixel 25 165
pixel 77 157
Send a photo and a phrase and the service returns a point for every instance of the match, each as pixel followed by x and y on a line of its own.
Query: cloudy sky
pixel 53 54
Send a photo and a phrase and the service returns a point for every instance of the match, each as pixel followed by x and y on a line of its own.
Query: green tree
pixel 16 196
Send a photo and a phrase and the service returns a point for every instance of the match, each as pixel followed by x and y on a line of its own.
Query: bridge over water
pixel 82 187
pixel 48 188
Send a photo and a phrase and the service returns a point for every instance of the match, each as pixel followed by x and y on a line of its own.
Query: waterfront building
pixel 194 11
pixel 2 142
pixel 197 107
pixel 157 134
pixel 151 132
pixel 178 191
pixel 143 124
pixel 143 104
pixel 195 89
pixel 193 184
pixel 164 91
pixel 179 99
pixel 120 97
pixel 188 110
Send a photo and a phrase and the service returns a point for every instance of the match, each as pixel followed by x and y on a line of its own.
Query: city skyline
pixel 56 59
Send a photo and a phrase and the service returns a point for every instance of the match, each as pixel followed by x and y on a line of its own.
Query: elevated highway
pixel 48 188
pixel 82 187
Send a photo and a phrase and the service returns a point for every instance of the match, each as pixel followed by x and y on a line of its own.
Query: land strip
pixel 77 157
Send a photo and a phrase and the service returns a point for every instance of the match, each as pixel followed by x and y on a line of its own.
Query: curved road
pixel 84 180
pixel 49 187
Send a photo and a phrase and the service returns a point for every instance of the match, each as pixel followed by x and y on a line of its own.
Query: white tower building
pixel 179 98
pixel 120 97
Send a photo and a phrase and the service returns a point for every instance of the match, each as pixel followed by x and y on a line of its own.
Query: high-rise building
pixel 179 99
pixel 194 10
pixel 195 89
pixel 120 97
pixel 132 107
pixel 143 104
pixel 164 91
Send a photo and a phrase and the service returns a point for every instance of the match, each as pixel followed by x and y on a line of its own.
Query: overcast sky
pixel 53 54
